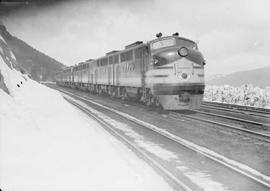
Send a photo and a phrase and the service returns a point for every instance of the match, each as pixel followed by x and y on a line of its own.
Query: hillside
pixel 31 61
pixel 38 129
pixel 258 77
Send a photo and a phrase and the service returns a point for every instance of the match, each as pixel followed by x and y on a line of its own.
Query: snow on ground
pixel 48 144
pixel 1 50
pixel 246 95
pixel 195 176
pixel 1 38
pixel 203 180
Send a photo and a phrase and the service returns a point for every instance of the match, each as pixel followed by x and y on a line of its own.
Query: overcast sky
pixel 233 35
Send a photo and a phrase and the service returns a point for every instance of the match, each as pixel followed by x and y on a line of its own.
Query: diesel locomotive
pixel 167 71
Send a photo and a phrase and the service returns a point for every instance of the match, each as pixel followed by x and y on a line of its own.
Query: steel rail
pixel 238 107
pixel 259 135
pixel 229 163
pixel 234 110
pixel 234 118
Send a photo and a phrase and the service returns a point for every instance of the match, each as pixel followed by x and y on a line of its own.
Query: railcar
pixel 166 71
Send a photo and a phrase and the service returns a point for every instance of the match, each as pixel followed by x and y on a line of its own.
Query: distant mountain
pixel 257 77
pixel 213 77
pixel 40 66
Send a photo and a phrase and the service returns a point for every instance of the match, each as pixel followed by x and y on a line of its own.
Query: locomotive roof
pixel 112 52
pixel 168 37
pixel 134 44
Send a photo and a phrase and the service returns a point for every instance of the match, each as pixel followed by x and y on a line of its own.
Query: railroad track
pixel 249 126
pixel 253 122
pixel 237 128
pixel 259 135
pixel 241 169
pixel 173 180
pixel 247 110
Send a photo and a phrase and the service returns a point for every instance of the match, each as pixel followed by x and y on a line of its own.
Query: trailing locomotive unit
pixel 167 71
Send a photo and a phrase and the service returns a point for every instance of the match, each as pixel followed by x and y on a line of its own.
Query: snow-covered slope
pixel 48 144
pixel 10 78
pixel 40 66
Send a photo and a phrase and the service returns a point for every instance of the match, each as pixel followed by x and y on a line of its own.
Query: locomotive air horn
pixel 158 35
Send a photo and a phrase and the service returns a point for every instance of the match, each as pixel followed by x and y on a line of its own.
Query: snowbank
pixel 246 95
pixel 10 78
pixel 47 144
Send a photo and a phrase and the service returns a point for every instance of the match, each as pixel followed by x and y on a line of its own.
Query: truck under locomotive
pixel 167 71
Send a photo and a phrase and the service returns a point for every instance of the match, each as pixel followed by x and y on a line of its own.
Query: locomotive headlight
pixel 184 75
pixel 154 61
pixel 183 51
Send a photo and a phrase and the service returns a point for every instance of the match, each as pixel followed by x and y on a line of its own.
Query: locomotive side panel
pixel 85 76
pixel 103 71
pixel 91 74
pixel 115 69
pixel 110 75
pixel 117 74
pixel 129 70
pixel 102 75
pixel 76 77
pixel 80 76
pixel 110 71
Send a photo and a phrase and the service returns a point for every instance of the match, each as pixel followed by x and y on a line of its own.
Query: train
pixel 167 72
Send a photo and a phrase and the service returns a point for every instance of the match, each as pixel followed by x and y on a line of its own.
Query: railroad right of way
pixel 162 116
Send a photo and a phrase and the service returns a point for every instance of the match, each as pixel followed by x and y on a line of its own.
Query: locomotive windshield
pixel 163 43
pixel 187 43
pixel 172 42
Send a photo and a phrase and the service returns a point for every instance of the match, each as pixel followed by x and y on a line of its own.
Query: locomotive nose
pixel 177 53
pixel 195 56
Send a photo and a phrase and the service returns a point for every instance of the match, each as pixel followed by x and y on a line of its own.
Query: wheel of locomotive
pixel 156 102
pixel 92 89
pixel 124 95
pixel 148 99
pixel 99 90
pixel 113 93
pixel 96 89
pixel 142 98
pixel 109 90
pixel 148 102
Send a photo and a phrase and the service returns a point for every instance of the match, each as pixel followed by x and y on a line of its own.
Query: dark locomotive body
pixel 167 71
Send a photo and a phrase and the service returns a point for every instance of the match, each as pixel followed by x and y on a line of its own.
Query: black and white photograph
pixel 134 95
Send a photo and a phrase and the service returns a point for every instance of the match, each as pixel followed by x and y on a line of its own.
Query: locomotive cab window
pixel 187 43
pixel 163 43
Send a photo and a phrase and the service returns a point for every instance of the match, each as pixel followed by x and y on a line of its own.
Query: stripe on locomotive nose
pixel 164 67
pixel 158 76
